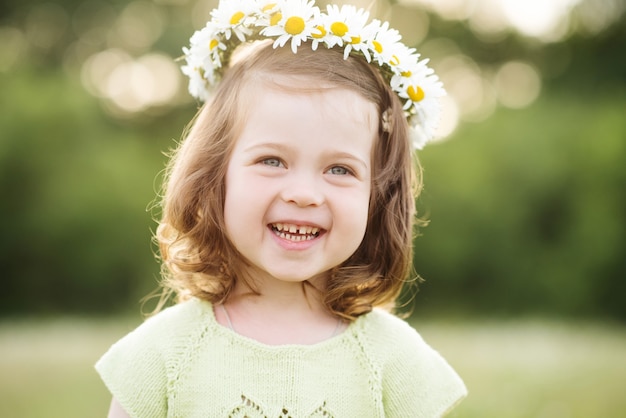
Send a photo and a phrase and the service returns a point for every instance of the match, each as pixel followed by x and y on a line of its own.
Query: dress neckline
pixel 230 333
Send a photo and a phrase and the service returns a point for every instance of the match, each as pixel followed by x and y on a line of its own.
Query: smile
pixel 295 233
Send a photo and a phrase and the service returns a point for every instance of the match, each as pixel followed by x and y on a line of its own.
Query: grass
pixel 512 368
pixel 47 367
pixel 535 368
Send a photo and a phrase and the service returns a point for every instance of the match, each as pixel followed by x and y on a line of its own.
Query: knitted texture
pixel 183 363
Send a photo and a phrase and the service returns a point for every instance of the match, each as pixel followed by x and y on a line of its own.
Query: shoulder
pixel 176 320
pixel 137 369
pixel 381 327
pixel 167 333
pixel 417 381
pixel 381 318
pixel 392 340
pixel 164 328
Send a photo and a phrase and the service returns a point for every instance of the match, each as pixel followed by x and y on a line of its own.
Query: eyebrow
pixel 272 145
pixel 348 156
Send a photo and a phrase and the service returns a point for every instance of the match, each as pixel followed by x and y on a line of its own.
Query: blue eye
pixel 339 170
pixel 272 162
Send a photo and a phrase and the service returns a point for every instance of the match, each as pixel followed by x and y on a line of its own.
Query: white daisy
pixel 402 58
pixel 417 136
pixel 344 23
pixel 427 115
pixel 361 40
pixel 268 12
pixel 233 16
pixel 321 31
pixel 197 87
pixel 296 24
pixel 383 44
pixel 417 84
pixel 423 101
pixel 206 44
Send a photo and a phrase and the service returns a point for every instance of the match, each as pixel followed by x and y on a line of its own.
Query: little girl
pixel 287 225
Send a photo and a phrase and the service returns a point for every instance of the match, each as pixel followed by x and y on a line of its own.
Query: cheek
pixel 357 213
pixel 244 205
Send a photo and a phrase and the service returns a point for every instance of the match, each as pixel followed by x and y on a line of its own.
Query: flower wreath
pixel 295 21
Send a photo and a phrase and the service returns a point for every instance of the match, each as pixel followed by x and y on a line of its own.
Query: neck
pixel 281 294
pixel 300 299
pixel 283 313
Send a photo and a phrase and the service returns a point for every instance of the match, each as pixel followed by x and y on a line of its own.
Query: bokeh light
pixel 449 120
pixel 518 84
pixel 116 54
pixel 13 45
pixel 539 18
pixel 138 26
pixel 132 85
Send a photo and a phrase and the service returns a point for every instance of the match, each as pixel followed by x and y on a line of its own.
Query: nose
pixel 303 189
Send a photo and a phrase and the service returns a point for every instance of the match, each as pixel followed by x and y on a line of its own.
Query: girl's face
pixel 298 182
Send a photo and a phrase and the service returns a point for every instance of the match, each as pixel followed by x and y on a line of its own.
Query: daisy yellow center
pixel 339 28
pixel 320 35
pixel 355 40
pixel 406 74
pixel 236 18
pixel 268 7
pixel 275 18
pixel 377 46
pixel 394 60
pixel 213 44
pixel 415 93
pixel 294 25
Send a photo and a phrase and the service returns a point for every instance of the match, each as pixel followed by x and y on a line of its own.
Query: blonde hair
pixel 198 258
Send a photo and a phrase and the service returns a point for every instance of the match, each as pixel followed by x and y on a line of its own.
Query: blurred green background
pixel 524 259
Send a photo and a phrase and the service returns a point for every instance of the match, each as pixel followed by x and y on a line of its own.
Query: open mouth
pixel 295 233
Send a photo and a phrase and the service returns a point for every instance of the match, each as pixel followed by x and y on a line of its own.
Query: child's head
pixel 199 257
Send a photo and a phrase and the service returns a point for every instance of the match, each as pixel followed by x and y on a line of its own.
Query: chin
pixel 297 277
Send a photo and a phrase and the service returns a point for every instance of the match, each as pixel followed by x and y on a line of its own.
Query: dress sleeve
pixel 134 371
pixel 417 380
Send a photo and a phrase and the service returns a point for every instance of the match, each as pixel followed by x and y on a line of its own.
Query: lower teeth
pixel 296 238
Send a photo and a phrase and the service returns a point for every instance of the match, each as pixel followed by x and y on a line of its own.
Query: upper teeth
pixel 293 229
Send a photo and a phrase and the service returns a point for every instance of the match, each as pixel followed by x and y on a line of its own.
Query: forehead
pixel 330 100
pixel 309 116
